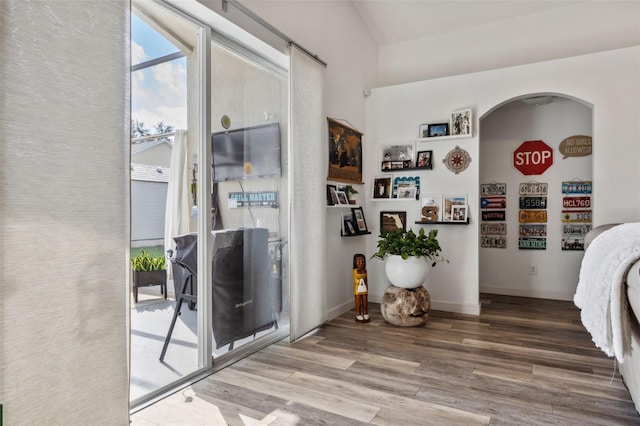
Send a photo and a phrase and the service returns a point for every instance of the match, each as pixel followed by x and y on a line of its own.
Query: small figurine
pixel 360 287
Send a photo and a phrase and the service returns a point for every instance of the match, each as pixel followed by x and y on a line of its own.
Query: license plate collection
pixel 533 202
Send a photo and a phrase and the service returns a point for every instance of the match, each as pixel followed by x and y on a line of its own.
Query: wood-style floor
pixel 521 362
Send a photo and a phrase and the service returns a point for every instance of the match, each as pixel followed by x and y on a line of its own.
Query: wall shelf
pixel 392 199
pixel 442 138
pixel 418 222
pixel 406 169
pixel 357 234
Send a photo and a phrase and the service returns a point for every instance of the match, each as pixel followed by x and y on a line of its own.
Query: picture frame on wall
pixel 423 131
pixel 398 156
pixel 424 160
pixel 437 130
pixel 347 224
pixel 359 220
pixel 345 153
pixel 382 187
pixel 461 122
pixel 392 220
pixel 448 202
pixel 332 197
pixel 343 200
pixel 458 213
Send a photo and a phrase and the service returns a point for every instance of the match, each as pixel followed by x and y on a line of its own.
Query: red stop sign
pixel 533 157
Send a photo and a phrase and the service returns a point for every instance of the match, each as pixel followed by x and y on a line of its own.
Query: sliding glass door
pixel 222 161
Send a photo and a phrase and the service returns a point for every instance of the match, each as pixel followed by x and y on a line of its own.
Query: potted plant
pixel 408 256
pixel 148 270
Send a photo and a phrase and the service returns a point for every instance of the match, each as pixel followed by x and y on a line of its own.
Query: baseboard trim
pixel 538 294
pixel 457 308
pixel 339 310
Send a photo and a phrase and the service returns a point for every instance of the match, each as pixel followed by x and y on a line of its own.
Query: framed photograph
pixel 382 187
pixel 423 132
pixel 424 160
pixel 358 217
pixel 347 224
pixel 448 202
pixel 332 198
pixel 407 190
pixel 458 213
pixel 439 129
pixel 390 221
pixel 396 156
pixel 345 153
pixel 461 122
pixel 343 200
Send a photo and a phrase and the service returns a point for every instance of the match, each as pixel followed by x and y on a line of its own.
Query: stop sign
pixel 533 157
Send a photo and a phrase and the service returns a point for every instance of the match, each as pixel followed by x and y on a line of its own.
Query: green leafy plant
pixel 350 190
pixel 408 243
pixel 143 261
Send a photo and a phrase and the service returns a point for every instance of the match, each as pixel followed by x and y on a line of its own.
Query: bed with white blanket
pixel 608 295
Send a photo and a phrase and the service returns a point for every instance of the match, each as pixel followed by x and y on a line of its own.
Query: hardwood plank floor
pixel 523 361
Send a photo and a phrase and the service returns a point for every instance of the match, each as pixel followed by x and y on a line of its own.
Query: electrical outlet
pixel 533 270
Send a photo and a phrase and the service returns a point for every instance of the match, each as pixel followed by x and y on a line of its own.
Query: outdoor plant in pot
pixel 148 270
pixel 408 256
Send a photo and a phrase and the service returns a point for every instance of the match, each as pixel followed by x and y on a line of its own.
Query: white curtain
pixel 176 221
pixel 308 159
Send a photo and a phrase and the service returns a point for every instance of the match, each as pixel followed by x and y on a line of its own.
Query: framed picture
pixel 342 198
pixel 461 122
pixel 332 198
pixel 358 216
pixel 345 153
pixel 424 160
pixel 390 221
pixel 407 190
pixel 396 156
pixel 423 131
pixel 382 187
pixel 458 213
pixel 347 224
pixel 439 129
pixel 448 202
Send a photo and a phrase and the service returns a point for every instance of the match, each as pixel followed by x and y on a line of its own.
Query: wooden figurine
pixel 360 287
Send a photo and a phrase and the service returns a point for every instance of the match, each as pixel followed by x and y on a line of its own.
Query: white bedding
pixel 601 292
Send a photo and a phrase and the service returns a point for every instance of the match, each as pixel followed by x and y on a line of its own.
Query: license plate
pixel 573 244
pixel 533 202
pixel 494 216
pixel 576 202
pixel 532 243
pixel 526 216
pixel 575 229
pixel 489 189
pixel 577 187
pixel 493 202
pixel 497 228
pixel 530 230
pixel 576 216
pixel 534 188
pixel 493 242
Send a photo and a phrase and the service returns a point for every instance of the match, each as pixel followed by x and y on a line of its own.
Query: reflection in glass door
pixel 249 219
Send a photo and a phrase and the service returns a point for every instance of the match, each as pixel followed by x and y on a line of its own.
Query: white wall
pixel 65 218
pixel 608 81
pixel 334 32
pixel 575 29
pixel 506 271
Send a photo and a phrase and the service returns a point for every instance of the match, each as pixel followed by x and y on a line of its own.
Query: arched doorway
pixel 532 256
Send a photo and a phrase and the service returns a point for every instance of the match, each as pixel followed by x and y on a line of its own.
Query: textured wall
pixel 64 215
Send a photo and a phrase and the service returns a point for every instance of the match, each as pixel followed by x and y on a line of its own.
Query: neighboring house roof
pixel 148 173
pixel 144 145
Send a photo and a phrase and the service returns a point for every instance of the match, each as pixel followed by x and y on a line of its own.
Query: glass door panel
pixel 249 104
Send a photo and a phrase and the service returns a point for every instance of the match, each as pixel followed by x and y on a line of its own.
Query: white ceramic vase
pixel 406 273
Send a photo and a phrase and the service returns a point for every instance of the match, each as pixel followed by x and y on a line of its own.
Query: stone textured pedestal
pixel 405 307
